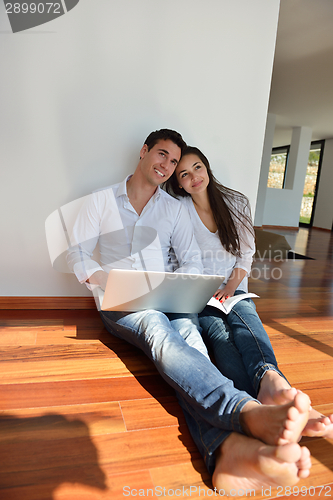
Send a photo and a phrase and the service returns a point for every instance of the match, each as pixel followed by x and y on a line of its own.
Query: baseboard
pixel 283 228
pixel 322 229
pixel 47 303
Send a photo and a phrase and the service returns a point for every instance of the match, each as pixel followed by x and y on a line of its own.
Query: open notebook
pixel 129 290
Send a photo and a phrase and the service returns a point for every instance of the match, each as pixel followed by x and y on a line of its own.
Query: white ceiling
pixel 302 82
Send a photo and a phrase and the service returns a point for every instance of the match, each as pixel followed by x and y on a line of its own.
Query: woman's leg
pixel 243 352
pixel 253 343
pixel 218 337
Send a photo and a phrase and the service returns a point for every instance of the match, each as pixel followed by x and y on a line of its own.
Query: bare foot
pixel 276 425
pixel 318 425
pixel 244 463
pixel 275 390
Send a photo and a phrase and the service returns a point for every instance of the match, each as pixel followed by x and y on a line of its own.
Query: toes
pixel 305 459
pixel 291 393
pixel 302 402
pixel 303 474
pixel 292 416
pixel 290 453
pixel 304 464
pixel 288 436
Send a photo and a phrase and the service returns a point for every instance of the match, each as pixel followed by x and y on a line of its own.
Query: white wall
pixel 264 169
pixel 80 94
pixel 323 217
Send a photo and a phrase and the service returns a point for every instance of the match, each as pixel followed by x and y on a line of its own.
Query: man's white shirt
pixel 130 241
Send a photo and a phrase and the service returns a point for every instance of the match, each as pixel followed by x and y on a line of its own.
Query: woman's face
pixel 192 174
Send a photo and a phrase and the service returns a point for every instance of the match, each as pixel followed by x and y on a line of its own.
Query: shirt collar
pixel 122 190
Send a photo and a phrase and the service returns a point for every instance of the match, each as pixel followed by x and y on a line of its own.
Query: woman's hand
pixel 224 294
pixel 229 290
pixel 220 295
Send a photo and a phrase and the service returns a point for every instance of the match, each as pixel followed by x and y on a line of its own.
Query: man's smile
pixel 159 172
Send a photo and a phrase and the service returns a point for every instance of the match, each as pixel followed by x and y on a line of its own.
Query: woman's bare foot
pixel 318 425
pixel 275 390
pixel 276 425
pixel 244 463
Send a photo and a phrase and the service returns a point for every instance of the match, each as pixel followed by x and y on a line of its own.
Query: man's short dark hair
pixel 165 134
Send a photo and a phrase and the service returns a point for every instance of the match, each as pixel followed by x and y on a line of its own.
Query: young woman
pixel 223 228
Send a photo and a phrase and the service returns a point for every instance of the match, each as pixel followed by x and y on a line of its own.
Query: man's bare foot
pixel 318 425
pixel 244 463
pixel 276 425
pixel 275 390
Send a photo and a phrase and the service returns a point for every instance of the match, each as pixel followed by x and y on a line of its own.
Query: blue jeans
pixel 173 342
pixel 239 343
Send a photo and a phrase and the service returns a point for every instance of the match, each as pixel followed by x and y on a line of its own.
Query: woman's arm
pixel 244 261
pixel 234 280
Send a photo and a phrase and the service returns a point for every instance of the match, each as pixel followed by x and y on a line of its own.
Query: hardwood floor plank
pixel 9 337
pixel 49 394
pixel 149 413
pixel 118 487
pixel 59 422
pixel 48 371
pixel 121 452
pixel 146 449
pixel 314 371
pixel 25 354
pixel 295 351
pixel 320 392
pixel 115 487
pixel 36 324
pixel 187 479
pixel 72 334
pixel 43 483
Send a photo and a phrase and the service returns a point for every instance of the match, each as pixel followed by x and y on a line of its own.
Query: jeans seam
pixel 252 333
pixel 261 372
pixel 238 427
pixel 207 451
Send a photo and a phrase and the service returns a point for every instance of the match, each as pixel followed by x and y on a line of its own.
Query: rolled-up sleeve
pixel 84 239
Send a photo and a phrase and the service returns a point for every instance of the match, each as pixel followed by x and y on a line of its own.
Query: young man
pixel 137 225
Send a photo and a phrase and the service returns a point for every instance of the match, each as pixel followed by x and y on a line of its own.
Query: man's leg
pixel 187 370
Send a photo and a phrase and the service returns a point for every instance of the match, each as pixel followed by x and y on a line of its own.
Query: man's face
pixel 158 164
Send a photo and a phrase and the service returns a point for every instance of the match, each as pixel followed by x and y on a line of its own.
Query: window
pixel 311 181
pixel 278 167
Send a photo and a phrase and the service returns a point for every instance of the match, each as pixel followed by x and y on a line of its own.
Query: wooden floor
pixel 85 416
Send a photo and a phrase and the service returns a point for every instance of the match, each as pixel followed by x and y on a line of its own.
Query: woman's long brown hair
pixel 223 203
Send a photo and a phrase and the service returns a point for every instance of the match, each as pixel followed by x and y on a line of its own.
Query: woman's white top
pixel 215 258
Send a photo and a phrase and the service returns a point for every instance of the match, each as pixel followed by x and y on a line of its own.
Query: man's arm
pixel 84 239
pixel 185 246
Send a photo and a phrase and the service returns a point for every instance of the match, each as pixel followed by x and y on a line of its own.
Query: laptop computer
pixel 133 290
